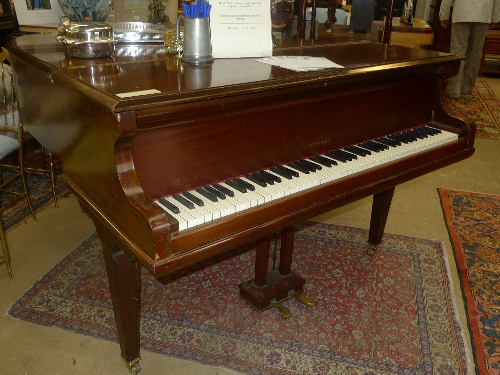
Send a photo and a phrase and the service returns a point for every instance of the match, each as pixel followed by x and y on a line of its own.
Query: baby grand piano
pixel 190 133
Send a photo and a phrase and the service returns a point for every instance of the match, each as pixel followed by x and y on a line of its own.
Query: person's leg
pixel 473 57
pixel 460 32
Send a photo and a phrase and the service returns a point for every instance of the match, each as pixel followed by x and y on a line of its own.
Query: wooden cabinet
pixel 490 62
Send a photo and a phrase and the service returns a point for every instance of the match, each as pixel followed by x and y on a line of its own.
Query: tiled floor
pixel 27 348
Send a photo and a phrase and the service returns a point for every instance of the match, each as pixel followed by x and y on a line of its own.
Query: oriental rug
pixel 482 107
pixel 393 313
pixel 40 189
pixel 473 221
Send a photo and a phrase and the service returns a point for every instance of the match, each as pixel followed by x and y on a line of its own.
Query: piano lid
pixel 137 68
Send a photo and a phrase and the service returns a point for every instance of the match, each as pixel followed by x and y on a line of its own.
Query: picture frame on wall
pixel 131 10
pixel 38 13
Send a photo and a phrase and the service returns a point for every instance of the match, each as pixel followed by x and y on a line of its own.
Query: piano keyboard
pixel 211 202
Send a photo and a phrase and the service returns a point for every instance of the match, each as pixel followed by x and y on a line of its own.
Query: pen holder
pixel 197 48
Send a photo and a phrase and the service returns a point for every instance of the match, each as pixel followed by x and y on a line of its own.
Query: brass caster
pixel 306 301
pixel 285 312
pixel 372 249
pixel 134 366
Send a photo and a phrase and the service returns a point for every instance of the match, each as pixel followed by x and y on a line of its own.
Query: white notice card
pixel 241 28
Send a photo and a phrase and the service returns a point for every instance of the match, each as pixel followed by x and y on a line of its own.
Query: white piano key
pixel 183 222
pixel 191 220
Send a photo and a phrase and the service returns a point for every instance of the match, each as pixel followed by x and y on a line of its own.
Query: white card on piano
pixel 241 28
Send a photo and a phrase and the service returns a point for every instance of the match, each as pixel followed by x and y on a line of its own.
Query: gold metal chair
pixel 13 139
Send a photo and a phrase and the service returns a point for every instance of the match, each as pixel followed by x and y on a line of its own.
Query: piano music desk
pixel 212 123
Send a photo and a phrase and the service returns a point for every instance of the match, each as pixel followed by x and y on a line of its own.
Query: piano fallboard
pixel 207 123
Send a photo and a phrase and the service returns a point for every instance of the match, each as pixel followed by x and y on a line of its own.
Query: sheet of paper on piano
pixel 138 93
pixel 300 63
pixel 241 28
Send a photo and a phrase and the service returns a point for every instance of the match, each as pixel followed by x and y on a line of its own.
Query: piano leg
pixel 125 286
pixel 269 288
pixel 380 211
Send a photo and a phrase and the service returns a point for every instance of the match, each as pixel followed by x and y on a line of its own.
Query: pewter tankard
pixel 197 48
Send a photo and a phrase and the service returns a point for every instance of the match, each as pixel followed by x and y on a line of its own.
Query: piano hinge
pixel 432 116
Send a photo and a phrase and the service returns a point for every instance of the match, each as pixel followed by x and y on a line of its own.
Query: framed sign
pixel 131 10
pixel 38 12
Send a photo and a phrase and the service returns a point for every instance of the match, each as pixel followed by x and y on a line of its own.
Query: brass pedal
pixel 307 301
pixel 284 311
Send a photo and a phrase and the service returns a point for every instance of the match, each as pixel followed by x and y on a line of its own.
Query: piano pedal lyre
pixel 269 288
pixel 284 311
pixel 306 301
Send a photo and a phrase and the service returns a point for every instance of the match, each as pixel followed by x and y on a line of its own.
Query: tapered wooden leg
pixel 123 272
pixel 380 211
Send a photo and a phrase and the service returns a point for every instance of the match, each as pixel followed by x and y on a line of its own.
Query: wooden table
pixel 491 50
pixel 420 35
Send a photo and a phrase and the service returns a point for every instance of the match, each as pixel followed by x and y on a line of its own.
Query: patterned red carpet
pixel 388 314
pixel 482 107
pixel 473 221
pixel 41 194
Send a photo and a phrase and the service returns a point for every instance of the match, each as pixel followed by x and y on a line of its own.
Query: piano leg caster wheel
pixel 134 367
pixel 372 249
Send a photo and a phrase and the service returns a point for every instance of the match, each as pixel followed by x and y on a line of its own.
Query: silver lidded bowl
pixel 86 40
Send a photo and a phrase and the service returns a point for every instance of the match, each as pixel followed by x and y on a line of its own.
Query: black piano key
pixel 418 133
pixel 207 194
pixel 337 156
pixel 193 198
pixel 358 151
pixel 388 142
pixel 429 130
pixel 236 186
pixel 267 177
pixel 256 179
pixel 409 134
pixel 244 183
pixel 270 176
pixel 308 167
pixel 347 155
pixel 321 160
pixel 224 190
pixel 298 167
pixel 215 192
pixel 170 206
pixel 311 164
pixel 292 172
pixel 401 138
pixel 327 162
pixel 281 172
pixel 179 198
pixel 373 146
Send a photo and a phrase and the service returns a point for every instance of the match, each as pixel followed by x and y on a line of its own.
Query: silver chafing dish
pixel 86 40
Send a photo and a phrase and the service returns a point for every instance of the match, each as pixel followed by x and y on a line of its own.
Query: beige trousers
pixel 467 39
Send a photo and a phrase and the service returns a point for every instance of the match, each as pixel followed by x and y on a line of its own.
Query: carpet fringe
pixel 471 366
